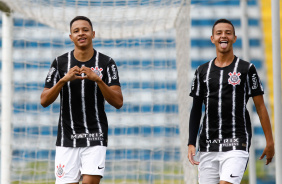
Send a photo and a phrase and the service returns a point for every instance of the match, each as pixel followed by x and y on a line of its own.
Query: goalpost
pixel 149 40
pixel 6 95
pixel 276 46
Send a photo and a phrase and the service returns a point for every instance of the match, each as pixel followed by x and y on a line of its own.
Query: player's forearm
pixel 268 133
pixel 49 95
pixel 266 126
pixel 112 95
pixel 264 118
pixel 265 123
pixel 194 122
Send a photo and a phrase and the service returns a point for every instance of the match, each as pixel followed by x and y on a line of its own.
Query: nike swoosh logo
pixel 100 167
pixel 233 176
pixel 206 80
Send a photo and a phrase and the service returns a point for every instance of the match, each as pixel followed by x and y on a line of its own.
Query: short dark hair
pixel 80 18
pixel 223 21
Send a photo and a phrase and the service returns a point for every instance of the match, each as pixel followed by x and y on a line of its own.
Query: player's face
pixel 82 34
pixel 223 37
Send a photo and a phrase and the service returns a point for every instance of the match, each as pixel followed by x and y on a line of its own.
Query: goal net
pixel 149 40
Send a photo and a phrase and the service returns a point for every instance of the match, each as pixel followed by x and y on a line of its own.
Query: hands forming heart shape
pixel 82 73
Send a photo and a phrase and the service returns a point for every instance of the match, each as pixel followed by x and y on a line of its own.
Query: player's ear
pixel 70 37
pixel 212 39
pixel 93 34
pixel 235 38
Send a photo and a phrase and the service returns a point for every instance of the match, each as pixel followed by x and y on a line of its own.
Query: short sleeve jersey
pixel 225 92
pixel 82 120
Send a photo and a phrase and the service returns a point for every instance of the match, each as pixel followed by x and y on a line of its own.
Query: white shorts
pixel 222 166
pixel 72 163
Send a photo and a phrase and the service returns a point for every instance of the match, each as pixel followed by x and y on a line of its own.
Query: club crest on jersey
pixel 60 170
pixel 234 78
pixel 98 71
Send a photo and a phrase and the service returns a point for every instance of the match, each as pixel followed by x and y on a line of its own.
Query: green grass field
pixel 161 173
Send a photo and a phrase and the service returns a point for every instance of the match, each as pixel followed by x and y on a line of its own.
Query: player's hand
pixel 268 152
pixel 191 154
pixel 89 74
pixel 73 74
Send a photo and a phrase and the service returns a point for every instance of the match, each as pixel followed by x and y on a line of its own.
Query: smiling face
pixel 223 37
pixel 82 34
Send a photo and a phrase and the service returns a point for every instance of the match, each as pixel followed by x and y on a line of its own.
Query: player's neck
pixel 223 60
pixel 83 55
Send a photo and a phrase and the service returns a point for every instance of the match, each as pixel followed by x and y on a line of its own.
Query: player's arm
pixel 112 94
pixel 49 95
pixel 194 123
pixel 266 126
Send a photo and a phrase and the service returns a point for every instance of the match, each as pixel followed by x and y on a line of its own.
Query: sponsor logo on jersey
pixel 51 71
pixel 60 170
pixel 255 81
pixel 98 71
pixel 90 137
pixel 234 78
pixel 225 142
pixel 114 72
pixel 193 82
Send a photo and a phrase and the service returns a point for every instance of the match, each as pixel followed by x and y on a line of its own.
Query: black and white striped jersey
pixel 225 91
pixel 82 121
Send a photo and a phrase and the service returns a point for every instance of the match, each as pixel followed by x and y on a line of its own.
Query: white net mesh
pixel 144 136
pixel 112 19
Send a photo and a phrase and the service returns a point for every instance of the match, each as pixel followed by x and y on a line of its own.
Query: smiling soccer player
pixel 84 78
pixel 224 85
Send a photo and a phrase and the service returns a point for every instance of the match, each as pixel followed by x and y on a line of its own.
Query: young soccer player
pixel 224 85
pixel 84 78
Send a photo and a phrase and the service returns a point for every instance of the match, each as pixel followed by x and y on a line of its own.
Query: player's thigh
pixel 91 179
pixel 208 168
pixel 233 166
pixel 93 160
pixel 67 163
pixel 224 182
